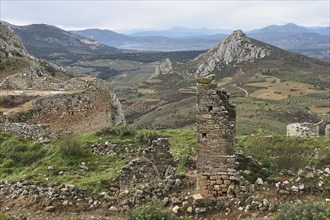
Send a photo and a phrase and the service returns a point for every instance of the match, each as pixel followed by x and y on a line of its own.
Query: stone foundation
pixel 222 180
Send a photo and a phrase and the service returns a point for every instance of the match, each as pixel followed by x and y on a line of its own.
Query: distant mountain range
pixel 143 41
pixel 182 32
pixel 311 41
pixel 289 29
pixel 52 43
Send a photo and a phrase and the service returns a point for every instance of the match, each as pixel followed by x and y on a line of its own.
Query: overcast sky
pixel 128 15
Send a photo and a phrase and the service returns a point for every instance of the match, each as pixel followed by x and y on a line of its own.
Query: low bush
pixel 71 147
pixel 149 212
pixel 146 137
pixel 263 174
pixel 16 153
pixel 3 216
pixel 309 210
pixel 282 152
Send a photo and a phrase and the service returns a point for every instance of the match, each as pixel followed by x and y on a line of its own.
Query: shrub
pixel 15 152
pixel 309 210
pixel 281 152
pixel 70 146
pixel 5 217
pixel 121 130
pixel 263 174
pixel 146 137
pixel 148 212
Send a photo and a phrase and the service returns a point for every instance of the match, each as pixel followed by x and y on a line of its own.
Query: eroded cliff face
pixel 233 50
pixel 165 67
pixel 35 92
pixel 10 43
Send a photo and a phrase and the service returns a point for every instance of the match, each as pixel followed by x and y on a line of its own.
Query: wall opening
pixel 204 135
pixel 210 108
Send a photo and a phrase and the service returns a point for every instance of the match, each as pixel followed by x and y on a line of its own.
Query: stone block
pixel 219 181
pixel 227 182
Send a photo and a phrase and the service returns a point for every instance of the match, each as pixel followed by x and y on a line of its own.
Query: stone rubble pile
pixel 155 162
pixel 51 197
pixel 304 181
pixel 40 132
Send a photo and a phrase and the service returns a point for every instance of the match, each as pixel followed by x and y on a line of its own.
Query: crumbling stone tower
pixel 216 160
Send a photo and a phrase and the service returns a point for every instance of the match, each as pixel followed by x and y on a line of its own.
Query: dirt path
pixel 32 94
pixel 246 92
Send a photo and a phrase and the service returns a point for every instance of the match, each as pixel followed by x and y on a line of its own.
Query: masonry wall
pixel 217 173
pixel 155 162
pixel 302 129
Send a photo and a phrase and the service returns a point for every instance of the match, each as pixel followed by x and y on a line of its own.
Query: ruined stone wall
pixel 217 173
pixel 73 113
pixel 302 129
pixel 154 162
pixel 70 113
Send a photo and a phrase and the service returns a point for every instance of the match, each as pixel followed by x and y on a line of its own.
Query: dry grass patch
pixel 321 106
pixel 274 89
pixel 225 81
pixel 154 81
pixel 189 90
pixel 146 91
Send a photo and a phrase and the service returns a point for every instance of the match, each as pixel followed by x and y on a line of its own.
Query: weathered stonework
pixel 302 129
pixel 327 130
pixel 217 166
pixel 155 162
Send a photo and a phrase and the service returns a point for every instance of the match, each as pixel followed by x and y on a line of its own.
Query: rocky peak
pixel 237 34
pixel 233 50
pixel 165 67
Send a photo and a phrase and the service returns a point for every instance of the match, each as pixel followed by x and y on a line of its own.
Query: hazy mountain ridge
pixel 182 32
pixel 149 42
pixel 289 29
pixel 52 43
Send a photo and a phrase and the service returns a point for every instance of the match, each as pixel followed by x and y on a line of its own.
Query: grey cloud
pixel 119 15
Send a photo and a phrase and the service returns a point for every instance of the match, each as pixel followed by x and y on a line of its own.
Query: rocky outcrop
pixel 119 112
pixel 164 68
pixel 10 43
pixel 235 49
